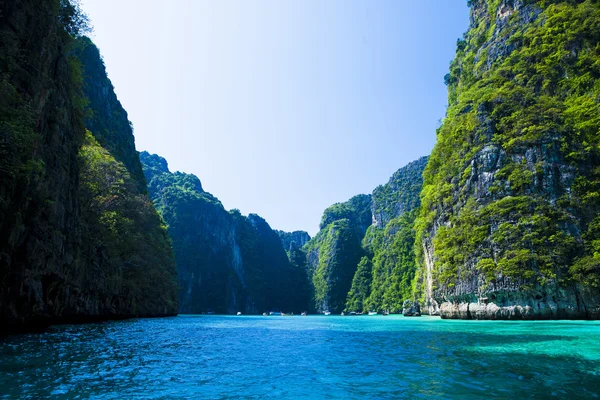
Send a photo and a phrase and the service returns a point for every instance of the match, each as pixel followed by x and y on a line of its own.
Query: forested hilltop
pixel 79 237
pixel 509 226
pixel 227 262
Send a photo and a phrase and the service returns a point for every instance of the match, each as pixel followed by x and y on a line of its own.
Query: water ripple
pixel 216 357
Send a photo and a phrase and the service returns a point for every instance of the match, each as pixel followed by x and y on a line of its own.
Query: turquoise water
pixel 219 357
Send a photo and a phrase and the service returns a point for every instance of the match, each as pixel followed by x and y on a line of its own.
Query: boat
pixel 326 313
pixel 372 312
pixel 275 313
pixel 265 314
pixel 239 313
pixel 352 313
pixel 303 313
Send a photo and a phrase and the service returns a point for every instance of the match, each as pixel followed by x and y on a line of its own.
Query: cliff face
pixel 124 238
pixel 508 228
pixel 40 136
pixel 334 253
pixel 363 258
pixel 386 279
pixel 226 262
pixel 400 194
pixel 293 240
pixel 55 264
pixel 105 117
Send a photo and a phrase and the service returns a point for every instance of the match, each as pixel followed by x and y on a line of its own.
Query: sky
pixel 281 108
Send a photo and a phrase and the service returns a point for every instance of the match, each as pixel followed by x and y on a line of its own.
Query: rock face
pixel 122 234
pixel 52 266
pixel 39 141
pixel 411 309
pixel 509 227
pixel 293 240
pixel 334 253
pixel 399 195
pixel 363 258
pixel 390 240
pixel 108 122
pixel 226 262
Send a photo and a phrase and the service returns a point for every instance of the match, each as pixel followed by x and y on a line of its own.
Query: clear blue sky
pixel 281 107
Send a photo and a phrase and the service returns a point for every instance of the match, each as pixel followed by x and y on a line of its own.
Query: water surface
pixel 222 357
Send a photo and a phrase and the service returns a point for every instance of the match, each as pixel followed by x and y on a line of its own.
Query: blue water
pixel 222 357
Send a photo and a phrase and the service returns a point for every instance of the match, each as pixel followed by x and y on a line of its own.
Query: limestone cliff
pixel 334 253
pixel 509 224
pixel 400 194
pixel 227 262
pixel 293 240
pixel 55 264
pixel 362 258
pixel 386 278
pixel 39 140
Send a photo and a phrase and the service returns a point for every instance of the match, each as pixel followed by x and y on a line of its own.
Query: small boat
pixel 265 314
pixel 372 312
pixel 326 313
pixel 239 313
pixel 274 313
pixel 303 313
pixel 352 313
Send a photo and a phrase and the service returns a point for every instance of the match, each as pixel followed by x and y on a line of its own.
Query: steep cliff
pixel 333 256
pixel 334 253
pixel 293 243
pixel 293 240
pixel 509 223
pixel 54 262
pixel 400 194
pixel 389 243
pixel 40 134
pixel 105 117
pixel 363 257
pixel 227 262
pixel 127 267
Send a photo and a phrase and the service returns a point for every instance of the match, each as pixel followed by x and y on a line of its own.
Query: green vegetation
pixel 394 265
pixel 357 210
pixel 361 286
pixel 523 89
pixel 371 237
pixel 73 20
pixel 105 117
pixel 400 194
pixel 339 253
pixel 227 262
pixel 136 259
pixel 79 238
